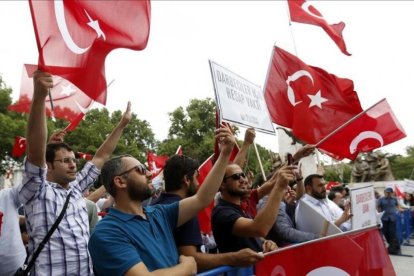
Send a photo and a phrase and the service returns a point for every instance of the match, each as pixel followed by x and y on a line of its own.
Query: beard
pixel 139 192
pixel 244 193
pixel 321 195
pixel 192 190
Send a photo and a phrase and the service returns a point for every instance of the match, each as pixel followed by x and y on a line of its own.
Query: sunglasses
pixel 140 168
pixel 236 176
pixel 67 160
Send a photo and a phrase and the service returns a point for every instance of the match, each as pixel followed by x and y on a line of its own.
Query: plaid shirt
pixel 66 253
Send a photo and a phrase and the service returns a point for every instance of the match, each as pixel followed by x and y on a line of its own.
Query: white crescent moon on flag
pixel 278 271
pixel 294 77
pixel 362 136
pixel 328 271
pixel 21 143
pixel 63 28
pixel 305 6
pixel 84 110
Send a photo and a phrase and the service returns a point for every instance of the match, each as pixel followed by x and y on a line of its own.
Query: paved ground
pixel 404 266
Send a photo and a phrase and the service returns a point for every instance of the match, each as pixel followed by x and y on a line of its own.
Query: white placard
pixel 408 186
pixel 363 207
pixel 313 220
pixel 240 101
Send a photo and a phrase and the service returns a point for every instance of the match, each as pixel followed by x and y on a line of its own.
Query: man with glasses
pixel 180 176
pixel 50 177
pixel 137 240
pixel 233 228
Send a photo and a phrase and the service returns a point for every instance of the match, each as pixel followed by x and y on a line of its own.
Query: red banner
pixel 360 252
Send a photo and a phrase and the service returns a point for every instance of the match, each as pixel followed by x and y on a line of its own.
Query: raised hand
pixel 249 135
pixel 126 117
pixel 225 139
pixel 42 82
pixel 57 136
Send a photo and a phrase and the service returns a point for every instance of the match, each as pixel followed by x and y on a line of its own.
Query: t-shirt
pixel 12 251
pixel 389 206
pixel 223 217
pixel 122 240
pixel 188 233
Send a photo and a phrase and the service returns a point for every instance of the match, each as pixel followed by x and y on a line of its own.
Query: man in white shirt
pixel 316 197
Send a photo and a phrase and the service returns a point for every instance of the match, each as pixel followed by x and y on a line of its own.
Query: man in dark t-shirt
pixel 180 177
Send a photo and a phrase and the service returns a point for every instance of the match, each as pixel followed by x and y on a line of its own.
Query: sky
pixel 240 35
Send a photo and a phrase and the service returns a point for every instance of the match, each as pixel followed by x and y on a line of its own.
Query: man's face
pixel 318 189
pixel 138 181
pixel 235 182
pixel 192 188
pixel 62 169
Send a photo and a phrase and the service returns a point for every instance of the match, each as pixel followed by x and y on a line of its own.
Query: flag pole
pixel 346 123
pixel 52 107
pixel 290 28
pixel 260 162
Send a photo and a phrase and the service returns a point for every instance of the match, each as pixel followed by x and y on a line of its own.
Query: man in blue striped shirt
pixel 50 174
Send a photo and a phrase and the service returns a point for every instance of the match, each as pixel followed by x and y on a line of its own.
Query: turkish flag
pixel 74 37
pixel 156 163
pixel 204 216
pixel 303 12
pixel 373 128
pixel 19 147
pixel 359 252
pixel 86 156
pixel 307 99
pixel 69 102
pixel 179 151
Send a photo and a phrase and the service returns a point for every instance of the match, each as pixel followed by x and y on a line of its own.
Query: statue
pixel 373 166
pixel 360 170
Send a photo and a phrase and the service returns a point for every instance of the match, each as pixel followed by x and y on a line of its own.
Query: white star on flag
pixel 317 100
pixel 67 89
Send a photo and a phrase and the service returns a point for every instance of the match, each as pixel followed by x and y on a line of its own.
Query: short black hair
pixel 175 168
pixel 52 148
pixel 309 178
pixel 110 169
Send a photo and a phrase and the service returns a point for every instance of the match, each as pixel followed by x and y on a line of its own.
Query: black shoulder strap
pixel 49 234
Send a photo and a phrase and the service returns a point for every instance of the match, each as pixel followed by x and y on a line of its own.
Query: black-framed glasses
pixel 67 160
pixel 140 168
pixel 236 176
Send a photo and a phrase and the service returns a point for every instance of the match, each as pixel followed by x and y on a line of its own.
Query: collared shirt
pixel 326 207
pixel 389 206
pixel 66 253
pixel 122 240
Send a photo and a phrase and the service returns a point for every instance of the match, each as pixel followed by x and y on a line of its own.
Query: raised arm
pixel 108 146
pixel 190 206
pixel 36 126
pixel 240 158
pixel 263 222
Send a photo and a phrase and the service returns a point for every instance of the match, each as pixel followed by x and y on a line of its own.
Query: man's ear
pixel 119 182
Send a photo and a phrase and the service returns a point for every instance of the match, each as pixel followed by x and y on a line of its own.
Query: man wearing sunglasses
pixel 137 240
pixel 50 177
pixel 233 228
pixel 180 176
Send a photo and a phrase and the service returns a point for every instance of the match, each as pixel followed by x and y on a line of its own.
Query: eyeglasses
pixel 236 176
pixel 67 160
pixel 141 169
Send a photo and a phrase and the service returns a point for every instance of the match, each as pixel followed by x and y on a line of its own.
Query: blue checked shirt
pixel 66 253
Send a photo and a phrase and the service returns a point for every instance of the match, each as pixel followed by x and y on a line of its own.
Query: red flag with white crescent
pixel 74 37
pixel 69 102
pixel 19 147
pixel 303 11
pixel 307 99
pixel 371 129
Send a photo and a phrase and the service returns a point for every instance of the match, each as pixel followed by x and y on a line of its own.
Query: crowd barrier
pixel 404 226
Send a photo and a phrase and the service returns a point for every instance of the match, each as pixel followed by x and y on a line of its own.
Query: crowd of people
pixel 163 237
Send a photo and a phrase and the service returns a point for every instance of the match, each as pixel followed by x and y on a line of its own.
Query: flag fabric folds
pixel 375 127
pixel 364 250
pixel 156 163
pixel 19 147
pixel 86 156
pixel 69 102
pixel 302 11
pixel 204 216
pixel 74 37
pixel 307 99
